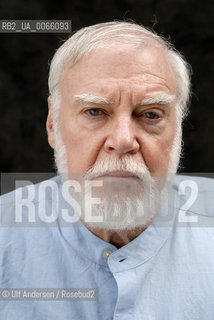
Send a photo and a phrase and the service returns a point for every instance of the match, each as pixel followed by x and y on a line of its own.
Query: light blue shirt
pixel 166 273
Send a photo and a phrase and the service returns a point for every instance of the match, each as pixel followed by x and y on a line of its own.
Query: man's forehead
pixel 125 52
pixel 106 68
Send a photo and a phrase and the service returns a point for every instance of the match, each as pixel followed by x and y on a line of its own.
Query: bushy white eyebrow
pixel 89 98
pixel 162 98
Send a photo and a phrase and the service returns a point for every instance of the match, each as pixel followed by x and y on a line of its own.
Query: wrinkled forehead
pixel 121 61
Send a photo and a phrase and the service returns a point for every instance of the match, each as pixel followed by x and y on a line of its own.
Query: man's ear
pixel 49 124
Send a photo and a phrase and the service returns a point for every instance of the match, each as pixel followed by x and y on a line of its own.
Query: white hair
pixel 103 35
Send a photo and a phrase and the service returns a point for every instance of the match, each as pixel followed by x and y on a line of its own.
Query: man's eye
pixel 151 115
pixel 94 112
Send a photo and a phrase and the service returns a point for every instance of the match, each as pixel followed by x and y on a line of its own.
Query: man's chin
pixel 119 215
pixel 117 227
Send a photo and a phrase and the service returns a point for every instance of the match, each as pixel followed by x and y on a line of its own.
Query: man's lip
pixel 120 174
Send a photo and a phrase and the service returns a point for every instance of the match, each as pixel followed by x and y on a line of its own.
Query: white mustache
pixel 125 165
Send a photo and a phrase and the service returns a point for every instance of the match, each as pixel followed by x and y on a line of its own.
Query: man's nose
pixel 122 137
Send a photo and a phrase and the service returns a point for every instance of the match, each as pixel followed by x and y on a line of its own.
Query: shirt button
pixel 106 254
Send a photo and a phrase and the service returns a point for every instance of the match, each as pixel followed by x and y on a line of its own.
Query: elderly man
pixel 136 241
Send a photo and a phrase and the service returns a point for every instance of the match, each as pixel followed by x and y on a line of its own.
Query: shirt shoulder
pixel 24 206
pixel 29 191
pixel 195 195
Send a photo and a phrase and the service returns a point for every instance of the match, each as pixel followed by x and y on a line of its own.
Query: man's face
pixel 117 113
pixel 106 108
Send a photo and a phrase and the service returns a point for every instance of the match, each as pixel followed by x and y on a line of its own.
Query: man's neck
pixel 116 237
